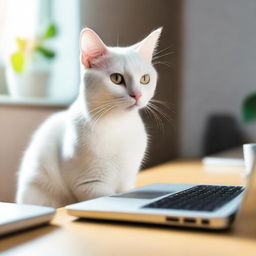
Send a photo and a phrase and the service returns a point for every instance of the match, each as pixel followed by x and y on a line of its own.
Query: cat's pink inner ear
pixel 91 47
pixel 147 46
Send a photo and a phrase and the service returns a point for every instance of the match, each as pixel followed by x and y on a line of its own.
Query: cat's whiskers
pixel 161 54
pixel 103 106
pixel 165 108
pixel 158 112
pixel 104 112
pixel 151 113
pixel 147 112
pixel 97 117
pixel 154 114
pixel 111 100
pixel 157 109
pixel 164 104
pixel 163 112
pixel 161 51
pixel 167 64
pixel 97 112
pixel 100 111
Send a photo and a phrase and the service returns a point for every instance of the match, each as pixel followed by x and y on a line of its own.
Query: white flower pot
pixel 3 89
pixel 30 83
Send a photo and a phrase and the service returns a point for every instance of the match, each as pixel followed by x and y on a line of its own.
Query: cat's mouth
pixel 132 103
pixel 133 106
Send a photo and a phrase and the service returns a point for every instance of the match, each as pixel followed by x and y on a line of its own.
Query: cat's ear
pixel 91 47
pixel 148 45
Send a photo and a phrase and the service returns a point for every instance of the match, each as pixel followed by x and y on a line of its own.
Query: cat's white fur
pixel 95 148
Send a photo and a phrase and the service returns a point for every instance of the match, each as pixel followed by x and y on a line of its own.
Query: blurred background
pixel 207 68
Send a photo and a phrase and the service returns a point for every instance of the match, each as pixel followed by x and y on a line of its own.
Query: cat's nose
pixel 136 95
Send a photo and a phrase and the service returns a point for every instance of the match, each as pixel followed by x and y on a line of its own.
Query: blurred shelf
pixel 38 102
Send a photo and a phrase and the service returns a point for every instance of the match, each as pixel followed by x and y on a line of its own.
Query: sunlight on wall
pixel 17 19
pixel 66 66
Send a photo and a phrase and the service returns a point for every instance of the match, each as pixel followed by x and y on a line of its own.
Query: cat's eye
pixel 145 79
pixel 117 78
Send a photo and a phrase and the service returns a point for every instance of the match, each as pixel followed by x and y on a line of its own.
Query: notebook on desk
pixel 16 217
pixel 230 157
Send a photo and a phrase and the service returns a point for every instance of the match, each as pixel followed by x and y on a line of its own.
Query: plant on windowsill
pixel 3 89
pixel 29 66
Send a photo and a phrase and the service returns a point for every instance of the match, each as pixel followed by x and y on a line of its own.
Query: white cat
pixel 96 147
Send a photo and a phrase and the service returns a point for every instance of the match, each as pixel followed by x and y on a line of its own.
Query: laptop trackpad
pixel 144 194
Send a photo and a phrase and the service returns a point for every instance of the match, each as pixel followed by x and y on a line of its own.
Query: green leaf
pixel 249 108
pixel 50 32
pixel 45 52
pixel 18 61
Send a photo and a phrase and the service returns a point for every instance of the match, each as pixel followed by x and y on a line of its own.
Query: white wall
pixel 219 64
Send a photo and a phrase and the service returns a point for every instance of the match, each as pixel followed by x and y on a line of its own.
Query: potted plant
pixel 28 70
pixel 3 89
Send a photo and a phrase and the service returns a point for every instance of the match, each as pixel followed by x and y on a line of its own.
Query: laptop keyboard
pixel 199 198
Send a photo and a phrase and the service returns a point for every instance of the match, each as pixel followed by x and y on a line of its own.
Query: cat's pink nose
pixel 136 95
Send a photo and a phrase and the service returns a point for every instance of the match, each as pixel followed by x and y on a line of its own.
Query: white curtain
pixel 18 18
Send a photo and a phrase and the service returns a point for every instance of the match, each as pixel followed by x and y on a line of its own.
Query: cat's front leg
pixel 34 194
pixel 92 189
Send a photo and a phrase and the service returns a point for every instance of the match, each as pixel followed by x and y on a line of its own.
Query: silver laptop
pixel 189 205
pixel 15 217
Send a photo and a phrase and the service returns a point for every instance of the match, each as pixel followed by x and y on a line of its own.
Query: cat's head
pixel 121 78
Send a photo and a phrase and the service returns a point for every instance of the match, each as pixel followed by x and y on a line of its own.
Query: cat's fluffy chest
pixel 115 146
pixel 110 138
pixel 120 136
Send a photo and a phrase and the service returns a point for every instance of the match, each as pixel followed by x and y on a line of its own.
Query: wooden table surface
pixel 69 236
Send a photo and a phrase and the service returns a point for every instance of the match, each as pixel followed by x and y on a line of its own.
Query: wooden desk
pixel 67 236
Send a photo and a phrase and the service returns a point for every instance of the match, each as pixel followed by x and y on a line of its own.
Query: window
pixel 25 19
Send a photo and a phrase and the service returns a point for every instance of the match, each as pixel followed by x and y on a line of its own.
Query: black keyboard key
pixel 198 198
